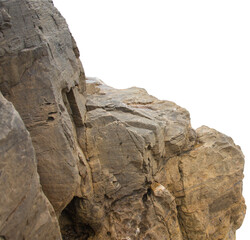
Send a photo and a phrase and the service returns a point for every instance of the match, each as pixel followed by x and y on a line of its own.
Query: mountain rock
pixel 153 175
pixel 114 164
pixel 25 212
pixel 42 76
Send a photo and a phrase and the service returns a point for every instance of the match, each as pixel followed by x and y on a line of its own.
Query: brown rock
pixel 129 137
pixel 153 176
pixel 25 212
pixel 207 184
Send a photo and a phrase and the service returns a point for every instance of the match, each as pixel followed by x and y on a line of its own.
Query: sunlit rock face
pixel 114 164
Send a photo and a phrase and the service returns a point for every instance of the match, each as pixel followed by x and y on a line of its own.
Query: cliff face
pixel 42 76
pixel 113 164
pixel 25 212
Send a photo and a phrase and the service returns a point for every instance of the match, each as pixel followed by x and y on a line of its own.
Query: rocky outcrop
pixel 25 212
pixel 114 164
pixel 129 137
pixel 154 177
pixel 42 76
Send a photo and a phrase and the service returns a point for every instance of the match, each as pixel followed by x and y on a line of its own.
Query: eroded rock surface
pixel 129 137
pixel 25 212
pixel 115 164
pixel 207 183
pixel 42 76
pixel 154 177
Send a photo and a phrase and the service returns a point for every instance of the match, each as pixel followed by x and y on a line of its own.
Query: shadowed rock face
pixel 114 164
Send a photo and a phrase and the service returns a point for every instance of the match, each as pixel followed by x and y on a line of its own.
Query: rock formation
pixel 113 164
pixel 25 212
pixel 42 76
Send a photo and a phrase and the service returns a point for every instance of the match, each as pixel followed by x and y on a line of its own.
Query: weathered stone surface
pixel 136 146
pixel 207 184
pixel 153 176
pixel 42 76
pixel 115 164
pixel 129 137
pixel 25 212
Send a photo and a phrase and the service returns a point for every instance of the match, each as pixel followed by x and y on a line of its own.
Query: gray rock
pixel 25 212
pixel 41 74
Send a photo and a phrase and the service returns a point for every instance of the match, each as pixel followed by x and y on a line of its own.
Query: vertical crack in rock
pixel 76 108
pixel 180 199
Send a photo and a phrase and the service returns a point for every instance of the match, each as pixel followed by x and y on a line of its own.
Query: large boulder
pixel 25 212
pixel 129 136
pixel 207 184
pixel 41 74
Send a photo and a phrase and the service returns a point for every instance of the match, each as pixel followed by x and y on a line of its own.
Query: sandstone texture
pixel 112 164
pixel 156 177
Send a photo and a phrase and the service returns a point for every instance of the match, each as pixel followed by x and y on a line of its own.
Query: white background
pixel 195 53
